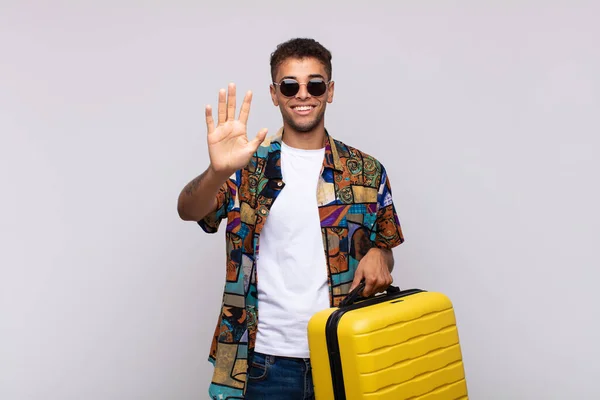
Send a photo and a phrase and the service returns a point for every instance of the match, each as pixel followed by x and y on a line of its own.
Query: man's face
pixel 303 111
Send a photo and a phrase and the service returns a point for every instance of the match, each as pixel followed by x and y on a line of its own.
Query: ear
pixel 330 92
pixel 273 95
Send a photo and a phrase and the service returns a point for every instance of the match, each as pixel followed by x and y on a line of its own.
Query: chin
pixel 306 127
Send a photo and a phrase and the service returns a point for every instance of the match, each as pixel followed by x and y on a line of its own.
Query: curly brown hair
pixel 300 48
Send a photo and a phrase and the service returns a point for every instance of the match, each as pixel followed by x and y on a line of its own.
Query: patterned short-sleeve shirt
pixel 356 212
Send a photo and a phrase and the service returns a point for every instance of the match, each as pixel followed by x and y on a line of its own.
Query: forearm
pixel 199 196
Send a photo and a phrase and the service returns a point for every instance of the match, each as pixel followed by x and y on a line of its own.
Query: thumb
pixel 260 137
pixel 358 276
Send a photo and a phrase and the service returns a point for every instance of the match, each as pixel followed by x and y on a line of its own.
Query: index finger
pixel 370 286
pixel 245 110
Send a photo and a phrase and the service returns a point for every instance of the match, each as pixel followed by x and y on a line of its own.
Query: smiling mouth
pixel 303 110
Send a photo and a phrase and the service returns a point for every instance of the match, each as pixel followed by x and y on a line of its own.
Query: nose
pixel 302 93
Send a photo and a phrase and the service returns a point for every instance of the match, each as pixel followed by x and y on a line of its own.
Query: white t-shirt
pixel 291 268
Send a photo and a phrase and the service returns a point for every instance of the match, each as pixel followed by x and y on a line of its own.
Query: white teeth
pixel 303 108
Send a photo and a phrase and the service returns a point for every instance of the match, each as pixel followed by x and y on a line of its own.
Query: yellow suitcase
pixel 398 345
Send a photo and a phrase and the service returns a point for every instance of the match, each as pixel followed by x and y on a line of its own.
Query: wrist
pixel 378 250
pixel 220 176
pixel 385 254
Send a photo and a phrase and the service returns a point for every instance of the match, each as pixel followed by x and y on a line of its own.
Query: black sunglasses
pixel 290 87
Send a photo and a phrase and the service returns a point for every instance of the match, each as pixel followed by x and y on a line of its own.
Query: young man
pixel 319 212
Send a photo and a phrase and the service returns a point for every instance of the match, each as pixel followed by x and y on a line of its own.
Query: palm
pixel 228 145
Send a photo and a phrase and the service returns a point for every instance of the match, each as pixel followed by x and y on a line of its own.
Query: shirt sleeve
pixel 225 201
pixel 388 230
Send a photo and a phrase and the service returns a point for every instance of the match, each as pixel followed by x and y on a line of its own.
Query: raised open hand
pixel 228 145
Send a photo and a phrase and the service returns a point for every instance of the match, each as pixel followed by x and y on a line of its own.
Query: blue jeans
pixel 279 378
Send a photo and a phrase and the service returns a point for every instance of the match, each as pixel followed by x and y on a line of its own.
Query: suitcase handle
pixel 355 296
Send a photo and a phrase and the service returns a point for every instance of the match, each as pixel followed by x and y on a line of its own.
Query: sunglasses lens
pixel 289 87
pixel 316 87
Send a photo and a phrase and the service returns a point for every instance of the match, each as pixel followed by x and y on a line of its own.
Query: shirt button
pixel 279 184
pixel 263 211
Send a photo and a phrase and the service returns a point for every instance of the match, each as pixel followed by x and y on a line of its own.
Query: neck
pixel 311 140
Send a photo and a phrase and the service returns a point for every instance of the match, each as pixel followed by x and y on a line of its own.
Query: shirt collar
pixel 331 159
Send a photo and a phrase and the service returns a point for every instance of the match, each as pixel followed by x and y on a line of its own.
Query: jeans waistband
pixel 272 358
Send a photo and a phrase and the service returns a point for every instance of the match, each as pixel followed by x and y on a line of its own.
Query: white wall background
pixel 485 115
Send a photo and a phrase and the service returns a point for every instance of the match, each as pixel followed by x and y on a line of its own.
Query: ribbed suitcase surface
pixel 400 346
